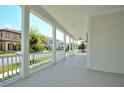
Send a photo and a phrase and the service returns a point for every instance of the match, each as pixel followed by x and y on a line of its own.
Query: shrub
pixel 1 52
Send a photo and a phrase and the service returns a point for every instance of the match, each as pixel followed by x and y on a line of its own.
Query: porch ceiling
pixel 74 17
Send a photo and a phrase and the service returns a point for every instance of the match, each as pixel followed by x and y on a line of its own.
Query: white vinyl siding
pixel 107 42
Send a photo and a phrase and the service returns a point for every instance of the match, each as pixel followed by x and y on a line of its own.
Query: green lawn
pixel 45 60
pixel 15 66
pixel 9 54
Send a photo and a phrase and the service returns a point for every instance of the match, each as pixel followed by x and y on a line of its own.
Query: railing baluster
pixel 7 67
pixel 3 69
pixel 16 66
pixel 29 62
pixel 39 58
pixel 32 61
pixel 36 59
pixel 19 64
pixel 12 65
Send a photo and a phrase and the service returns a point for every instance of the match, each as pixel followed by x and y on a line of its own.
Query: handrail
pixel 11 64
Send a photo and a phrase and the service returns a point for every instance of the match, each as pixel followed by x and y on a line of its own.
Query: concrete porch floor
pixel 71 73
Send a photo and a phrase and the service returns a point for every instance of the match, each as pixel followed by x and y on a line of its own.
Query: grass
pixel 9 54
pixel 39 60
pixel 43 59
pixel 14 66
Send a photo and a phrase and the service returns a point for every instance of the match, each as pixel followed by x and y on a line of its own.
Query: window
pixel 7 35
pixel 14 36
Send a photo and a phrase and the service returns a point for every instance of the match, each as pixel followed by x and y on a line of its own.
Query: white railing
pixel 59 56
pixel 9 67
pixel 38 59
pixel 67 53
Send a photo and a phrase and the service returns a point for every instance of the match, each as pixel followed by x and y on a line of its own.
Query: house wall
pixel 11 36
pixel 106 42
pixel 10 41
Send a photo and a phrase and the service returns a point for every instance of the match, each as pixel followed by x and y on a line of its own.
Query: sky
pixel 10 17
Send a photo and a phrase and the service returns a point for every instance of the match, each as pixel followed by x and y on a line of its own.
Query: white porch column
pixel 73 46
pixel 64 45
pixel 25 42
pixel 54 44
pixel 76 48
pixel 69 45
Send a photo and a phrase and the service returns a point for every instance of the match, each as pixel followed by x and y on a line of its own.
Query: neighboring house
pixel 59 43
pixel 9 39
pixel 48 42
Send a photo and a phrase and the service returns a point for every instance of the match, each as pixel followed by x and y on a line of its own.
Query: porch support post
pixel 76 48
pixel 25 66
pixel 73 46
pixel 69 45
pixel 53 44
pixel 64 46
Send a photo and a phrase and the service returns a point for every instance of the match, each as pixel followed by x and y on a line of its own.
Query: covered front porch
pixel 102 27
pixel 71 72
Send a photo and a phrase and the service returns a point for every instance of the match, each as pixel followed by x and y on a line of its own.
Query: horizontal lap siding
pixel 107 39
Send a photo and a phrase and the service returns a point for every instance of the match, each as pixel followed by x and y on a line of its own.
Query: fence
pixel 10 65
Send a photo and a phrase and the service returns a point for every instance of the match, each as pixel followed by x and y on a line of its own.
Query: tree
pixel 36 41
pixel 82 46
pixel 67 47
